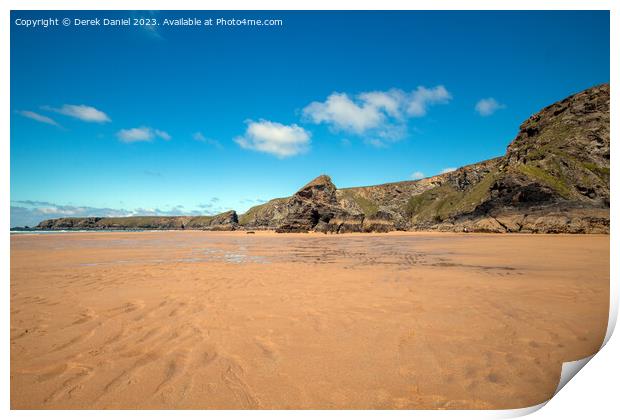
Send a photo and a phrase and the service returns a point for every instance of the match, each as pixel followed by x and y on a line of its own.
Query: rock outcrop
pixel 311 208
pixel 223 221
pixel 554 178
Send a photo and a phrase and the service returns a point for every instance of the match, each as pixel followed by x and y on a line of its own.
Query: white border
pixel 597 383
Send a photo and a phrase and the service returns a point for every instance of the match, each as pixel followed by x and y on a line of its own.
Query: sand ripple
pixel 228 320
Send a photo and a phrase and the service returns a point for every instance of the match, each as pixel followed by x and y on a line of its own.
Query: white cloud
pixel 132 135
pixel 488 106
pixel 446 170
pixel 38 117
pixel 389 102
pixel 82 112
pixel 422 98
pixel 417 175
pixel 343 114
pixel 274 138
pixel 378 116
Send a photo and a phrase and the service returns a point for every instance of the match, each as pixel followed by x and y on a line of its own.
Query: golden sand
pixel 233 320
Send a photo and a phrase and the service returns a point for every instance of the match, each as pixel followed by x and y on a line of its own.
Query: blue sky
pixel 198 120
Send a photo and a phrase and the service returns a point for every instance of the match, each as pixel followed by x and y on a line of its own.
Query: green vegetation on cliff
pixel 556 182
pixel 369 207
pixel 445 201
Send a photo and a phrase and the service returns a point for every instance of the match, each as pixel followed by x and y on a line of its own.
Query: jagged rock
pixel 511 223
pixel 322 227
pixel 488 224
pixel 223 221
pixel 69 223
pixel 382 221
pixel 552 224
pixel 312 207
pixel 347 223
pixel 264 216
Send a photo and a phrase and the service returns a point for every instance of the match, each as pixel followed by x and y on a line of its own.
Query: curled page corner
pixel 613 312
pixel 518 412
pixel 570 369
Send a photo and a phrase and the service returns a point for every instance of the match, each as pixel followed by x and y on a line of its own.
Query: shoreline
pixel 311 233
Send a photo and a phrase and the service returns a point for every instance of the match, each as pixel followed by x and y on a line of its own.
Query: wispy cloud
pixel 212 206
pixel 33 203
pixel 152 31
pixel 38 117
pixel 488 106
pixel 378 143
pixel 149 29
pixel 81 112
pixel 162 134
pixel 446 170
pixel 274 138
pixel 198 136
pixel 378 116
pixel 210 203
pixel 133 135
pixel 417 175
pixel 31 213
pixel 252 201
pixel 422 98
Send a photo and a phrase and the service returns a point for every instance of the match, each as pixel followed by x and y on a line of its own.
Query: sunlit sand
pixel 234 320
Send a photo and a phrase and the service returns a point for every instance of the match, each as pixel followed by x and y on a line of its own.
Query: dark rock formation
pixel 311 208
pixel 223 221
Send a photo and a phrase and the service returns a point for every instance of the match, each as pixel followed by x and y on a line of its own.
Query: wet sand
pixel 212 320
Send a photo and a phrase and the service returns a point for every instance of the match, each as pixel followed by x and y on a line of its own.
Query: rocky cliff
pixel 553 178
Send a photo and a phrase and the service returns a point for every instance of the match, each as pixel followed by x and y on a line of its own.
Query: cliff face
pixel 554 177
pixel 555 174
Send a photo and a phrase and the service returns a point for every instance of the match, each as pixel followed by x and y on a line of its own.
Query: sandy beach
pixel 229 320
